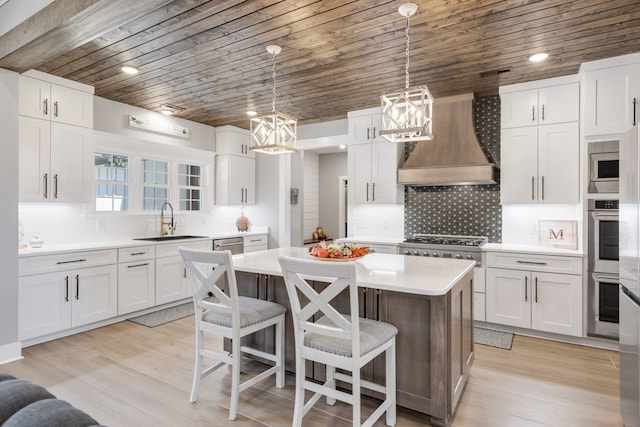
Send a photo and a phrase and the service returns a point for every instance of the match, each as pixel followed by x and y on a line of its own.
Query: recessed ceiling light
pixel 342 146
pixel 251 113
pixel 129 69
pixel 538 57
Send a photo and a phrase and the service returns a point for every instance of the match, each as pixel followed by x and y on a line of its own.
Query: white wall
pixel 113 117
pixel 386 221
pixel 520 222
pixel 332 167
pixel 9 346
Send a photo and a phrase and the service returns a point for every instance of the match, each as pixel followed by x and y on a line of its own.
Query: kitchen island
pixel 429 300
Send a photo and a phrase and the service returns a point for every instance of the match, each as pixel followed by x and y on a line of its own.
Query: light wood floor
pixel 130 375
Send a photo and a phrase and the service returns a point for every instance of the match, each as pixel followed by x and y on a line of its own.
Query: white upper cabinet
pixel 44 100
pixel 55 162
pixel 372 161
pixel 540 142
pixel 235 167
pixel 540 164
pixel 233 140
pixel 547 105
pixel 364 126
pixel 612 93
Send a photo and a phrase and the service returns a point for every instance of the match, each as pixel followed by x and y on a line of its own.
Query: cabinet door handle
pixel 77 286
pixel 367 191
pixel 55 186
pixel 66 282
pixel 55 109
pixel 373 192
pixel 542 187
pixel 45 106
pixel 531 262
pixel 533 184
pixel 635 103
pixel 536 285
pixel 241 195
pixel 533 113
pixel 138 265
pixel 137 253
pixel 46 185
pixel 184 272
pixel 368 133
pixel 374 132
pixel 526 290
pixel 543 112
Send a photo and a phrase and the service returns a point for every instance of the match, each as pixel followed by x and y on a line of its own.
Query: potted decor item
pixel 242 223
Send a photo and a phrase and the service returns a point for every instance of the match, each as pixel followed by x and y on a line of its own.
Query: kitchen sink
pixel 169 238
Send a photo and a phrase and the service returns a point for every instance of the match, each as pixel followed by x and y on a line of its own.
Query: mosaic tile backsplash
pixel 468 210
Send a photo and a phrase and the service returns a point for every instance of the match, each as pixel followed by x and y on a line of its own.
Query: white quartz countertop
pixel 499 247
pixel 50 249
pixel 398 273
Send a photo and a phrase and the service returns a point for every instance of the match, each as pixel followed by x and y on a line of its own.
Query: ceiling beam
pixel 64 25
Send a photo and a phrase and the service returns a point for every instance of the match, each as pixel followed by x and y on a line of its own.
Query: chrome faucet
pixel 171 225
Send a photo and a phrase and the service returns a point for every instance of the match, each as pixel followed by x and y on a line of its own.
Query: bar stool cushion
pixel 372 335
pixel 252 311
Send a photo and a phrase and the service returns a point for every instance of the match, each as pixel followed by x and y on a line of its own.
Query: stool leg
pixel 280 380
pixel 331 382
pixel 197 369
pixel 235 378
pixel 355 390
pixel 298 406
pixel 390 386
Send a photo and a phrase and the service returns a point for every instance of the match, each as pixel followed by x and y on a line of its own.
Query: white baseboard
pixel 10 352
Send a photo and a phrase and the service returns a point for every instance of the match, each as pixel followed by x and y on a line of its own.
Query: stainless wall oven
pixel 603 262
pixel 604 174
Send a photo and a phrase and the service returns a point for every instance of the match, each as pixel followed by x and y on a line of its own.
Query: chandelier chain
pixel 406 69
pixel 273 105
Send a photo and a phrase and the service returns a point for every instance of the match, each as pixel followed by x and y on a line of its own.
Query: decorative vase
pixel 242 223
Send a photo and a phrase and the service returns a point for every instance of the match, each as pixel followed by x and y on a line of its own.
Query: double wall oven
pixel 603 274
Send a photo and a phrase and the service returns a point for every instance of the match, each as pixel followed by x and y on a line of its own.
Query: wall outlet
pixel 534 230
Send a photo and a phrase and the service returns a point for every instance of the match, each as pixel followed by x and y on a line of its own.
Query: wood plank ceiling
pixel 209 57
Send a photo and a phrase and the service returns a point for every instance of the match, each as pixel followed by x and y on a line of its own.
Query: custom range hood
pixel 454 156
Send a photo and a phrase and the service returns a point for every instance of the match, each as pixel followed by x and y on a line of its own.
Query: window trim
pixel 137 150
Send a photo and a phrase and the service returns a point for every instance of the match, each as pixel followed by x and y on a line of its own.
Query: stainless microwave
pixel 604 175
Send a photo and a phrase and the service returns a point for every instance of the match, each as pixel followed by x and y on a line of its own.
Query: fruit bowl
pixel 338 252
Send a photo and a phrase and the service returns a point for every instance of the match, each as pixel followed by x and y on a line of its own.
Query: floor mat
pixel 493 338
pixel 163 316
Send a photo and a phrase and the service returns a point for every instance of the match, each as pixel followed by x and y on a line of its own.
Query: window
pixel 190 187
pixel 155 184
pixel 112 182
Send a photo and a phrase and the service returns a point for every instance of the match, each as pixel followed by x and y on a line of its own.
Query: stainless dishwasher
pixel 234 244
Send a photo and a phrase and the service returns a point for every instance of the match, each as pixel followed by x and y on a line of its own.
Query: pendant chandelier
pixel 273 133
pixel 407 114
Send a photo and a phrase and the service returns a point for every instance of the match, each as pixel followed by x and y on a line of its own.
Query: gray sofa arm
pixel 24 404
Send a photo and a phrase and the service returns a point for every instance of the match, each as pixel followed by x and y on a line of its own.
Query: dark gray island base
pixel 434 343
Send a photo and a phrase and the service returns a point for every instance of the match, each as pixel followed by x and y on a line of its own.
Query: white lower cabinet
pixel 171 275
pixel 60 297
pixel 255 243
pixel 527 296
pixel 136 279
pixel 171 282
